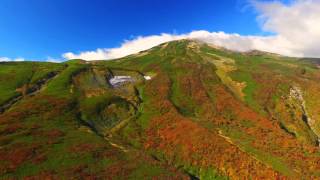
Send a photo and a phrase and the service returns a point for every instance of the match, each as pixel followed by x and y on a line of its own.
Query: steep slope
pixel 201 93
pixel 44 136
pixel 206 113
pixel 24 78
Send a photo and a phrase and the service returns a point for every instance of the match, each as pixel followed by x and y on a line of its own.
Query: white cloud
pixel 231 41
pixel 297 23
pixel 296 27
pixel 128 47
pixel 49 59
pixel 6 59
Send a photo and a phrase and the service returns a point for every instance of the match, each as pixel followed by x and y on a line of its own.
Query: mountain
pixel 181 110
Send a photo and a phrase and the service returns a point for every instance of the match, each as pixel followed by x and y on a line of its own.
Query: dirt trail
pixel 118 146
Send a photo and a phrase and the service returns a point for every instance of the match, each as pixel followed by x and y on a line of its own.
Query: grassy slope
pixel 56 144
pixel 14 75
pixel 260 95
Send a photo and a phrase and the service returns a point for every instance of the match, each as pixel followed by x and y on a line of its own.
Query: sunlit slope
pixel 206 113
pixel 256 105
pixel 46 135
pixel 15 77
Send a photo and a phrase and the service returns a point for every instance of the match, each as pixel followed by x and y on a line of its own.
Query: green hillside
pixel 181 110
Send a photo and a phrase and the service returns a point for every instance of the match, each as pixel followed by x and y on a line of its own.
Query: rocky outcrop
pixel 296 93
pixel 294 118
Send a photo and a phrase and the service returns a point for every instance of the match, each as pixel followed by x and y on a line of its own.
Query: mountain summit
pixel 181 110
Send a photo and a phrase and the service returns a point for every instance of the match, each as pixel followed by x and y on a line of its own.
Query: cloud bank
pixel 297 23
pixel 6 59
pixel 49 59
pixel 295 26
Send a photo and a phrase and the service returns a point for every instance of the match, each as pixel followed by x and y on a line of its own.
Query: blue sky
pixel 38 29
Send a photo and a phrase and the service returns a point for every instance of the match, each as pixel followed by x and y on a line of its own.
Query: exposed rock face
pixel 294 117
pixel 109 98
pixel 296 93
